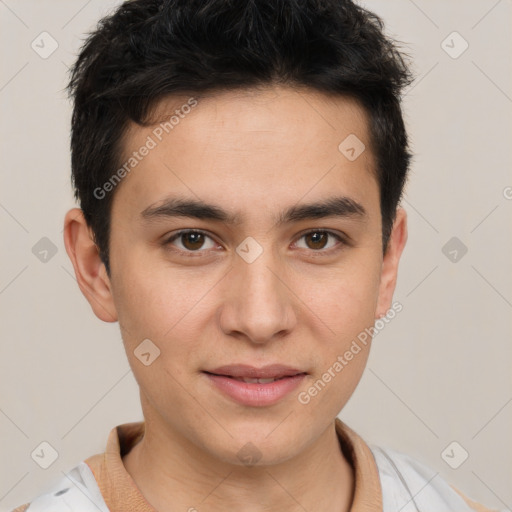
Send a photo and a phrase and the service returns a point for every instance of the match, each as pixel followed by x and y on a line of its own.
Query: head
pixel 274 130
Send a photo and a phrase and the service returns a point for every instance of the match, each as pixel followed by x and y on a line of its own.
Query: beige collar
pixel 121 493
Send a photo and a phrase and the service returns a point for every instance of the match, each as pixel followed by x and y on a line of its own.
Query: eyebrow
pixel 340 206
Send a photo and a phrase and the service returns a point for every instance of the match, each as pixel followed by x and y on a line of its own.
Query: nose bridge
pixel 260 279
pixel 260 306
pixel 255 261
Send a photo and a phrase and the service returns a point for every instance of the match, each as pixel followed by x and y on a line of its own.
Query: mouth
pixel 251 374
pixel 255 380
pixel 255 387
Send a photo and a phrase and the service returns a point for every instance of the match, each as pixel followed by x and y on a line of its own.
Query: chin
pixel 255 443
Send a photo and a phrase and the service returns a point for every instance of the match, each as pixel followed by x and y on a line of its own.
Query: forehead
pixel 291 113
pixel 250 148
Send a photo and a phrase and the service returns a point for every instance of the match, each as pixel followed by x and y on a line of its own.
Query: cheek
pixel 159 303
pixel 344 298
pixel 165 308
pixel 345 306
pixel 343 352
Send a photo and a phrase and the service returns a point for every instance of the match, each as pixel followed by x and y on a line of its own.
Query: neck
pixel 173 475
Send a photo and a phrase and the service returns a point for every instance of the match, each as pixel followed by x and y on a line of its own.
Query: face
pixel 262 279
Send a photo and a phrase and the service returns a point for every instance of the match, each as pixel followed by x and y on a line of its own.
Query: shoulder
pixel 410 486
pixel 76 491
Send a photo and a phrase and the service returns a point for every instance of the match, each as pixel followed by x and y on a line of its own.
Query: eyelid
pixel 342 238
pixel 337 234
pixel 168 240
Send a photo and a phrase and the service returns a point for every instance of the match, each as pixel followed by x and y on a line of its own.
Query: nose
pixel 259 303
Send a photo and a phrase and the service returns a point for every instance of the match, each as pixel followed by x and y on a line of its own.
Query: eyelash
pixel 199 251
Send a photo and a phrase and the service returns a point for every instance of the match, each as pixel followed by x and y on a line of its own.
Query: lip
pixel 255 394
pixel 271 371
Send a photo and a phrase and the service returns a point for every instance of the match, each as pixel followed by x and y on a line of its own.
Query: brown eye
pixel 191 241
pixel 318 240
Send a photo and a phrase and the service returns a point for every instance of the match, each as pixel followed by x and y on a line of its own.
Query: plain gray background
pixel 439 373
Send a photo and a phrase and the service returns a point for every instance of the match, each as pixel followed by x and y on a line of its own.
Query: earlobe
pixel 90 271
pixel 396 244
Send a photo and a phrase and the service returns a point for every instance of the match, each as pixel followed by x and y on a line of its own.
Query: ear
pixel 389 271
pixel 90 271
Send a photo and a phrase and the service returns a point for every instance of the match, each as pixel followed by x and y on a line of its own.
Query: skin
pixel 255 153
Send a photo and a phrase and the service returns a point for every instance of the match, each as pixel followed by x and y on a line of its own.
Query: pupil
pixel 195 240
pixel 317 237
